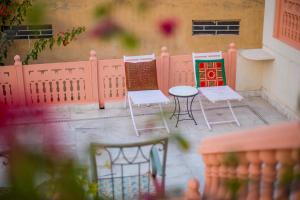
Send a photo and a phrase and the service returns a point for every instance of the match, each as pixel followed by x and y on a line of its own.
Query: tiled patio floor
pixel 80 125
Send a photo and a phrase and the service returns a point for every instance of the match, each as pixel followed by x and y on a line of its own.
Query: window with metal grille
pixel 287 22
pixel 215 27
pixel 28 31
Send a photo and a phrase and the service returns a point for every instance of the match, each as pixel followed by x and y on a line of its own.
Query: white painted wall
pixel 248 74
pixel 279 80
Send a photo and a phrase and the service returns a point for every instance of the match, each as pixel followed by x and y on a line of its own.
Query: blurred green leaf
pixel 62 38
pixel 36 14
pixel 103 10
pixel 233 186
pixel 144 5
pixel 287 176
pixel 231 159
pixel 181 141
pixel 129 41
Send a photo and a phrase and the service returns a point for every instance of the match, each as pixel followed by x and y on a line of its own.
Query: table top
pixel 183 91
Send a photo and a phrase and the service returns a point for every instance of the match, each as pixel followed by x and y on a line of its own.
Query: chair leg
pixel 125 103
pixel 132 117
pixel 233 115
pixel 163 117
pixel 203 112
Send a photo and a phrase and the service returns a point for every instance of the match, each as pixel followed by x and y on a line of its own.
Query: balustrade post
pixel 295 192
pixel 221 193
pixel 192 192
pixel 21 94
pixel 242 175
pixel 214 175
pixel 208 166
pixel 254 175
pixel 231 65
pixel 284 158
pixel 268 174
pixel 231 177
pixel 95 80
pixel 164 70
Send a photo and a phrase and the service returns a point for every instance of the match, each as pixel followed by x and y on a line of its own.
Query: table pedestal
pixel 178 110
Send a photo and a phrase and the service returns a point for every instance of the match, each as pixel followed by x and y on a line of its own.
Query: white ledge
pixel 256 54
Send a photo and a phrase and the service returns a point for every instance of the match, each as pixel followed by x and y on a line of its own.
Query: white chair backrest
pixel 141 58
pixel 205 56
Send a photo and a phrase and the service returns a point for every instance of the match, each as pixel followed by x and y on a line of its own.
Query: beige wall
pixel 249 74
pixel 64 14
pixel 282 77
pixel 279 80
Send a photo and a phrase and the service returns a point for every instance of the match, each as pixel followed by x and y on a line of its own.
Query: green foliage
pixel 291 174
pixel 12 13
pixel 36 13
pixel 5 43
pixel 130 41
pixel 143 5
pixel 233 186
pixel 62 39
pixel 103 10
pixel 287 176
pixel 105 31
pixel 231 159
pixel 15 13
pixel 183 144
pixel 36 175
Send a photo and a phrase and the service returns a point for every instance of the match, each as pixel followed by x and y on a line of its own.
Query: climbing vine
pixel 61 39
pixel 14 13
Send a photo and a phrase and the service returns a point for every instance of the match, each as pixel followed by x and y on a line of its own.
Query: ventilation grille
pixel 28 32
pixel 216 27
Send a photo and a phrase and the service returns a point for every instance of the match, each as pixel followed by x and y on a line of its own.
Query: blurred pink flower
pixel 105 29
pixel 168 26
pixel 13 116
pixel 158 192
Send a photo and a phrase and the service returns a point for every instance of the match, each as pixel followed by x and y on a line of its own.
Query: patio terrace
pixel 267 77
pixel 78 126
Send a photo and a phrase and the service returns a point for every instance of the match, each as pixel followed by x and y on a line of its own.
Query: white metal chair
pixel 138 93
pixel 210 79
pixel 129 171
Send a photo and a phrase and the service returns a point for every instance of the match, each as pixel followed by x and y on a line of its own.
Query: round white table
pixel 183 92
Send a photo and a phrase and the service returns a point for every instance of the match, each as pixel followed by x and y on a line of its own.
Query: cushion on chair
pixel 141 76
pixel 130 187
pixel 210 73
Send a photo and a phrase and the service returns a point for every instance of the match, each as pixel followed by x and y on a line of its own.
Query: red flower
pixel 65 42
pixel 168 26
pixel 4 12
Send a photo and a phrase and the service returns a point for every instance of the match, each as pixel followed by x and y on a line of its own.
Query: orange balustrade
pixel 111 76
pixel 8 85
pixel 261 163
pixel 58 83
pixel 93 80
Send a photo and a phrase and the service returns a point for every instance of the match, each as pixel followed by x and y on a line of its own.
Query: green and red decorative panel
pixel 210 73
